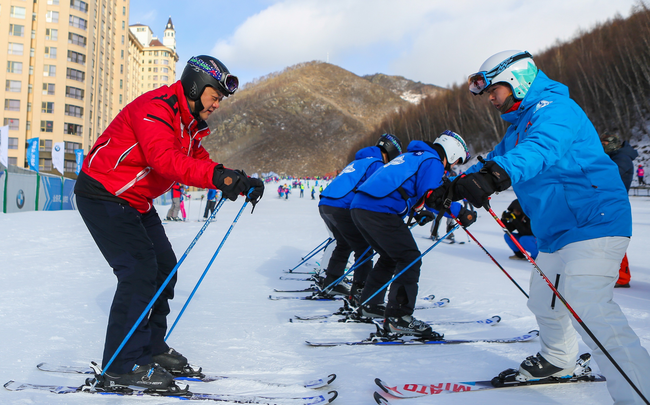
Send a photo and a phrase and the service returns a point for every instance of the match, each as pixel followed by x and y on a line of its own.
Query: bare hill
pixel 302 121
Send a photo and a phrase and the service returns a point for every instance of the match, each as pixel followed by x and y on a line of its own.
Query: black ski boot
pixel 408 325
pixel 537 367
pixel 176 364
pixel 151 378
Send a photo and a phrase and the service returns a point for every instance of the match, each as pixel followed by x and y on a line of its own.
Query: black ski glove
pixel 436 198
pixel 466 217
pixel 424 217
pixel 232 183
pixel 255 195
pixel 477 187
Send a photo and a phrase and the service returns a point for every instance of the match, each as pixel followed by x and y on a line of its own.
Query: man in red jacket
pixel 152 143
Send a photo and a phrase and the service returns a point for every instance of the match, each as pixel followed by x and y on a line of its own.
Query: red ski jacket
pixel 151 144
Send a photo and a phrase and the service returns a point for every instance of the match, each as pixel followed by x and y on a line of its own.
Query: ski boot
pixel 513 377
pixel 176 364
pixel 150 379
pixel 537 367
pixel 408 325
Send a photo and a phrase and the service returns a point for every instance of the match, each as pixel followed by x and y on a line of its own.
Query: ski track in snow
pixel 56 289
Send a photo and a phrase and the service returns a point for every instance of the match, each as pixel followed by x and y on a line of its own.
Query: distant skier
pixel 210 204
pixel 640 173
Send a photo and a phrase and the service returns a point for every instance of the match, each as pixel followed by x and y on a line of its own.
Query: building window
pixel 120 99
pixel 121 69
pixel 76 57
pixel 53 2
pixel 51 34
pixel 12 105
pixel 15 49
pixel 122 24
pixel 74 74
pixel 122 39
pixel 47 107
pixel 50 52
pixel 49 70
pixel 122 54
pixel 13 86
pixel 74 92
pixel 28 125
pixel 13 143
pixel 71 146
pixel 72 129
pixel 52 16
pixel 155 77
pixel 79 5
pixel 14 67
pixel 45 145
pixel 164 70
pixel 48 89
pixel 16 30
pixel 17 12
pixel 74 111
pixel 155 70
pixel 14 123
pixel 78 22
pixel 164 78
pixel 121 83
pixel 164 62
pixel 45 165
pixel 76 39
pixel 46 126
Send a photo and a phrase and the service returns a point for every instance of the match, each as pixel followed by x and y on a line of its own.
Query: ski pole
pixel 488 253
pixel 198 283
pixel 328 240
pixel 356 264
pixel 325 241
pixel 566 304
pixel 160 290
pixel 409 266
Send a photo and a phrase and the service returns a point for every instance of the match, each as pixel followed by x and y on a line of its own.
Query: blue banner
pixel 79 156
pixel 67 198
pixel 52 187
pixel 32 154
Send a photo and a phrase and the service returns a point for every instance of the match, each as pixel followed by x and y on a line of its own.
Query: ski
pixel 309 289
pixel 403 341
pixel 316 383
pixel 505 379
pixel 315 271
pixel 486 321
pixel 347 310
pixel 238 399
pixel 308 297
pixel 312 278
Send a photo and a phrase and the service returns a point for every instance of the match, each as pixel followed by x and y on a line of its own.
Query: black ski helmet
pixel 203 71
pixel 391 145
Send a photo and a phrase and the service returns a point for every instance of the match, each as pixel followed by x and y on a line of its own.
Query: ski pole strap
pixel 198 283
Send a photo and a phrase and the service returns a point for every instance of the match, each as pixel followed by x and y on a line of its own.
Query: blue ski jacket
pixel 416 172
pixel 340 191
pixel 566 184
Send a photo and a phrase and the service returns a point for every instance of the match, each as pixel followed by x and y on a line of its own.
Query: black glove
pixel 466 217
pixel 255 195
pixel 507 217
pixel 424 217
pixel 436 198
pixel 477 187
pixel 232 183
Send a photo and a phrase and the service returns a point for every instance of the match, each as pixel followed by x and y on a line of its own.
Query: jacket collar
pixel 187 119
pixel 542 88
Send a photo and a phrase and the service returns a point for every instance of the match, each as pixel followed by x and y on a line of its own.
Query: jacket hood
pixel 541 85
pixel 370 151
pixel 628 150
pixel 419 146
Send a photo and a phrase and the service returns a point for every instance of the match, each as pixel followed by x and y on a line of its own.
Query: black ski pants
pixel 348 239
pixel 392 239
pixel 136 247
pixel 209 208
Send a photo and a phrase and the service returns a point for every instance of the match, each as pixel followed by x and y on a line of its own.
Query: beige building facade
pixel 67 67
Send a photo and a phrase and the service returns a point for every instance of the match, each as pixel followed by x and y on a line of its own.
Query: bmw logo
pixel 20 199
pixel 57 148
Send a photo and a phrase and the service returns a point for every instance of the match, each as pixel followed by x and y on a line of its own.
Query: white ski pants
pixel 587 271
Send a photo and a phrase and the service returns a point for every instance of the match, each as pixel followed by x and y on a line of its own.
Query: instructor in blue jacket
pixel 579 211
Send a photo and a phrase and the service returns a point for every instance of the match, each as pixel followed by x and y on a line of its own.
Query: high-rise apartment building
pixel 67 67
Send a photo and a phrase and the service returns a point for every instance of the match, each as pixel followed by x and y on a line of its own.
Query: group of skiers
pixel 576 204
pixel 550 155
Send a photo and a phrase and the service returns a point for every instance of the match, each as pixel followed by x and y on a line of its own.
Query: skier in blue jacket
pixel 405 186
pixel 580 214
pixel 334 208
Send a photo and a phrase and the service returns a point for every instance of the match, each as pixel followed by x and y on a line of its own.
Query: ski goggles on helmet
pixel 478 82
pixel 229 82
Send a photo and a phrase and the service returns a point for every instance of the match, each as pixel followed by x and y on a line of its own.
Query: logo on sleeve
pixel 542 104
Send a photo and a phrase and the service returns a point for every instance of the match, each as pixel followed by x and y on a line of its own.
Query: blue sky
pixel 433 41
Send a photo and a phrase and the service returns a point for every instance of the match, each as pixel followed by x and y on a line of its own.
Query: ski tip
pixel 380 384
pixel 534 332
pixel 8 384
pixel 496 319
pixel 445 300
pixel 331 378
pixel 333 395
pixel 291 320
pixel 379 399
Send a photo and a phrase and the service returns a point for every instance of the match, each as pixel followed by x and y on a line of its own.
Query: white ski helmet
pixel 454 146
pixel 515 68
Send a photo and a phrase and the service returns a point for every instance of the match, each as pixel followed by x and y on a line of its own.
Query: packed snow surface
pixel 56 289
